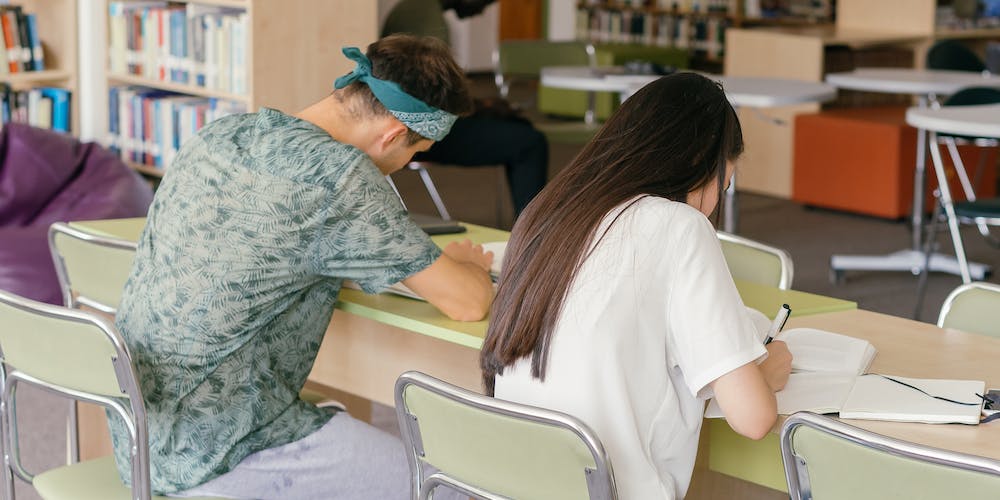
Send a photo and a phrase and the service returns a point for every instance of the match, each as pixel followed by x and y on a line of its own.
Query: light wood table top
pixel 910 348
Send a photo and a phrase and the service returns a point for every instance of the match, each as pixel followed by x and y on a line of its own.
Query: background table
pixel 745 92
pixel 976 121
pixel 927 85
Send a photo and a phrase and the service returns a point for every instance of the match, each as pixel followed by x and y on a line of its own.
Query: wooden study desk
pixel 906 348
pixel 372 339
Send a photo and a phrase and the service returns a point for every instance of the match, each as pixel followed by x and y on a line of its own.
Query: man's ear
pixel 394 133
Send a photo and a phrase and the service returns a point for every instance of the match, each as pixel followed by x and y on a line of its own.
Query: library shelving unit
pixel 698 27
pixel 292 52
pixel 861 36
pixel 57 29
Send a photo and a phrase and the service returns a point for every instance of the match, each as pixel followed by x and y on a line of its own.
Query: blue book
pixel 38 60
pixel 60 107
pixel 113 138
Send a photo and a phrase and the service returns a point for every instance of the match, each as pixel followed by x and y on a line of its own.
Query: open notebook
pixel 828 377
pixel 497 247
pixel 824 368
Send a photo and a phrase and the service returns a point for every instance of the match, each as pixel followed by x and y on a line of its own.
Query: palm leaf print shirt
pixel 256 224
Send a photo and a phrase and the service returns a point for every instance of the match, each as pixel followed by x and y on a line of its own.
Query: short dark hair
pixel 423 67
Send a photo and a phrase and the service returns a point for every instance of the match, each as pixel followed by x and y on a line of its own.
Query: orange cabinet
pixel 862 160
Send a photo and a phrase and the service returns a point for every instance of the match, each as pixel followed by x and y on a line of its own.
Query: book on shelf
pixel 43 107
pixel 191 44
pixel 20 47
pixel 148 126
pixel 704 34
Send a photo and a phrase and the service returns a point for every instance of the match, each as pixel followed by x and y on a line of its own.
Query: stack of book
pixel 148 126
pixel 20 49
pixel 190 44
pixel 43 107
pixel 704 34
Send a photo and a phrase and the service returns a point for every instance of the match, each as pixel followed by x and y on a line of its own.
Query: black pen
pixel 779 322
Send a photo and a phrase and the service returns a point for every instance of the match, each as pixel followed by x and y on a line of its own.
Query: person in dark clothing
pixel 494 134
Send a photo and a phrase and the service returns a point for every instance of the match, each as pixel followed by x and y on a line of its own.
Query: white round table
pixel 927 85
pixel 741 91
pixel 975 121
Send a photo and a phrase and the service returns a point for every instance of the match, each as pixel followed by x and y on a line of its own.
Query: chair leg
pixel 73 440
pixel 949 209
pixel 730 210
pixel 431 190
pixel 928 248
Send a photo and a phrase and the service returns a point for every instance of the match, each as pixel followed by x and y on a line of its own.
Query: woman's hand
pixel 777 366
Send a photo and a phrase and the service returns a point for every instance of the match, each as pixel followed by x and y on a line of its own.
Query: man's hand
pixel 777 366
pixel 466 252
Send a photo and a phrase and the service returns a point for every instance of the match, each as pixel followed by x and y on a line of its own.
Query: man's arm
pixel 458 283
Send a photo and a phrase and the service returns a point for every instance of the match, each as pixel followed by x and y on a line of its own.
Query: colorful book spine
pixel 43 107
pixel 148 126
pixel 37 55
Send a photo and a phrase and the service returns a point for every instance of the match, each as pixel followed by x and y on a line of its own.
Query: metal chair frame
pixel 787 266
pixel 133 414
pixel 957 292
pixel 796 468
pixel 600 481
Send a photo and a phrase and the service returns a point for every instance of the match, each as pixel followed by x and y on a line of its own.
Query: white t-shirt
pixel 652 318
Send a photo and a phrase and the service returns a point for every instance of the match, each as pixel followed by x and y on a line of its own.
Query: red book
pixel 8 38
pixel 148 157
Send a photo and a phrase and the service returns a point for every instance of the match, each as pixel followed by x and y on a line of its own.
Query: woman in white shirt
pixel 615 304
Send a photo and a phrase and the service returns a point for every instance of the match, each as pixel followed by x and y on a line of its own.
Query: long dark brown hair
pixel 673 136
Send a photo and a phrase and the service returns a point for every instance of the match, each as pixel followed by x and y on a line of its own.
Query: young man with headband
pixel 256 225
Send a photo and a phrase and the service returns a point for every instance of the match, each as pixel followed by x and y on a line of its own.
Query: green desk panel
pixel 767 300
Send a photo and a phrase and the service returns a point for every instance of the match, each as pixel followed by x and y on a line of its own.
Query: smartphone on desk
pixel 992 404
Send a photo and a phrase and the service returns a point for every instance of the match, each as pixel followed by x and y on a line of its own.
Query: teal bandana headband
pixel 417 115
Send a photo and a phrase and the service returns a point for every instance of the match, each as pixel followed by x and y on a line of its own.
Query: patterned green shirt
pixel 255 226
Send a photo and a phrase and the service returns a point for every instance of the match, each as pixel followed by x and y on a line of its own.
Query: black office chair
pixel 981 212
pixel 951 54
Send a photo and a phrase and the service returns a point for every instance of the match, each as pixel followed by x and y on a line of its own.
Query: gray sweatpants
pixel 345 459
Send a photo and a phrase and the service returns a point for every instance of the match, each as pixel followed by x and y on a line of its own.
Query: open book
pixel 827 377
pixel 824 368
pixel 497 247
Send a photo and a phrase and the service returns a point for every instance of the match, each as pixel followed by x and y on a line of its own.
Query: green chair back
pixel 973 308
pixel 92 269
pixel 828 459
pixel 749 260
pixel 59 346
pixel 524 59
pixel 487 447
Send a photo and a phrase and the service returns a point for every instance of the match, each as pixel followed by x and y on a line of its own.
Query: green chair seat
pixel 987 209
pixel 91 480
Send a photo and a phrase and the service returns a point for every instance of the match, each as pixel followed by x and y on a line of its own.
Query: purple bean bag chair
pixel 47 177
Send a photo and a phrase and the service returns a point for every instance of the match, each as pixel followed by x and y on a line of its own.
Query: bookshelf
pixel 291 54
pixel 57 30
pixel 697 26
